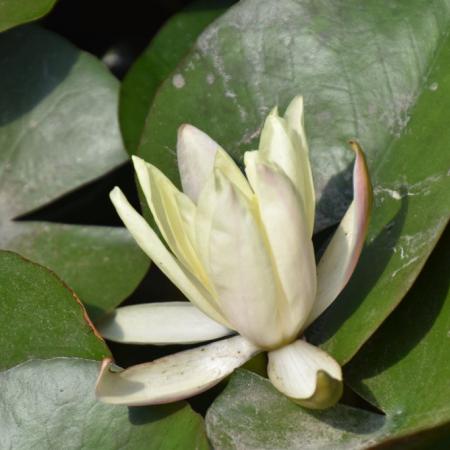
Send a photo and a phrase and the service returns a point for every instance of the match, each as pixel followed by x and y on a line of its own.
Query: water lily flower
pixel 240 249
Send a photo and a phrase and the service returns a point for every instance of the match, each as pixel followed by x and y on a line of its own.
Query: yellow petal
pixel 283 142
pixel 174 214
pixel 149 242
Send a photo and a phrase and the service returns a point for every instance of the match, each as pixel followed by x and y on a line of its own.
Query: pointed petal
pixel 195 153
pixel 226 165
pixel 149 242
pixel 173 377
pixel 287 231
pixel 339 260
pixel 173 213
pixel 160 324
pixel 283 142
pixel 239 263
pixel 306 374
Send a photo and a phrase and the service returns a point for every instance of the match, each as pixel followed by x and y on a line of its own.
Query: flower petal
pixel 287 231
pixel 306 374
pixel 238 261
pixel 160 324
pixel 174 214
pixel 173 377
pixel 283 142
pixel 149 242
pixel 339 260
pixel 195 154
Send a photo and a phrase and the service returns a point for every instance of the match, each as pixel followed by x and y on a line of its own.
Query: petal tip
pixel 327 393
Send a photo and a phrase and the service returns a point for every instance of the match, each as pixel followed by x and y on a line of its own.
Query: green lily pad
pixel 40 316
pixel 17 12
pixel 359 66
pixel 51 404
pixel 403 370
pixel 407 374
pixel 159 59
pixel 59 131
pixel 377 71
pixel 412 208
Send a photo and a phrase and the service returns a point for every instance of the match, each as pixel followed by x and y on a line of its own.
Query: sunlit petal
pixel 285 225
pixel 149 242
pixel 238 262
pixel 174 214
pixel 173 377
pixel 283 142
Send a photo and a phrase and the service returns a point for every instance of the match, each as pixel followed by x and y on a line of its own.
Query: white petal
pixel 306 374
pixel 149 242
pixel 287 231
pixel 173 377
pixel 339 260
pixel 283 142
pixel 160 324
pixel 195 153
pixel 238 262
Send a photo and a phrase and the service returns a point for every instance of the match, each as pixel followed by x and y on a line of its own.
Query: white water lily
pixel 240 249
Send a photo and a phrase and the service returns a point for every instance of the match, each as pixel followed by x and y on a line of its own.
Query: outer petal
pixel 339 260
pixel 283 142
pixel 306 374
pixel 173 377
pixel 197 155
pixel 160 324
pixel 155 249
pixel 238 262
pixel 287 231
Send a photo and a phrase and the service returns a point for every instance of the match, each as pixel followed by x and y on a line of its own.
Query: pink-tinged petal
pixel 341 256
pixel 306 374
pixel 150 243
pixel 238 261
pixel 197 156
pixel 286 227
pixel 173 377
pixel 196 152
pixel 160 324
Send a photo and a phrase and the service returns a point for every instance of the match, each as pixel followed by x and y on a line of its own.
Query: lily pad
pixel 51 404
pixel 377 71
pixel 360 67
pixel 41 317
pixel 59 131
pixel 412 208
pixel 405 376
pixel 408 375
pixel 159 59
pixel 17 12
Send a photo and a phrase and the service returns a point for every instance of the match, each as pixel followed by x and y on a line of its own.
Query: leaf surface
pixel 59 131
